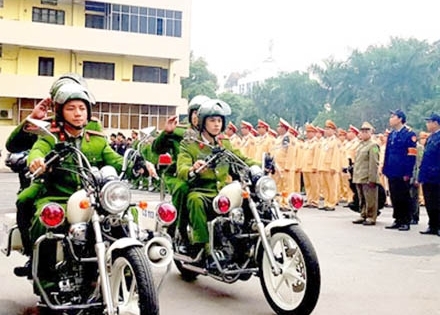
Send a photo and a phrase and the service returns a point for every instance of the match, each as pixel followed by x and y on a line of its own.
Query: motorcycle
pixel 17 163
pixel 253 235
pixel 158 243
pixel 92 258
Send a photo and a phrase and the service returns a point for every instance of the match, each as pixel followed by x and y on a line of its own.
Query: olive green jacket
pixel 366 167
pixel 95 147
pixel 211 178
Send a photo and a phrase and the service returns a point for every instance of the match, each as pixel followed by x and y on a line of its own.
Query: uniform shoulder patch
pixel 414 138
pixel 95 133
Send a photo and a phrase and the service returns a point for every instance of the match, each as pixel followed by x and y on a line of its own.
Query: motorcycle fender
pixel 122 243
pixel 274 224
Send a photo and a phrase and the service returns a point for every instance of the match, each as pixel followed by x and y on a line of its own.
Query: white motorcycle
pixel 92 259
pixel 252 235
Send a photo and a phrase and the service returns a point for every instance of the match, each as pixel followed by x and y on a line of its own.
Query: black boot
pixel 24 271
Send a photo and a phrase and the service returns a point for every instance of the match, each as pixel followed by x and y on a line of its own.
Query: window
pixel 99 70
pixel 95 21
pixel 134 19
pixel 45 66
pixel 49 2
pixel 150 74
pixel 50 16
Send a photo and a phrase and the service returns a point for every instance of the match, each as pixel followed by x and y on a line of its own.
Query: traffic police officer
pixel 399 161
pixel 309 167
pixel 231 132
pixel 280 150
pixel 247 146
pixel 264 142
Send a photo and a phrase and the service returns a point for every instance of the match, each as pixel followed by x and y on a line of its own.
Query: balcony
pixel 104 91
pixel 94 41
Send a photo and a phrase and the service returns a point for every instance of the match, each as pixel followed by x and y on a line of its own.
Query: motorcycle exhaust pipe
pixel 159 252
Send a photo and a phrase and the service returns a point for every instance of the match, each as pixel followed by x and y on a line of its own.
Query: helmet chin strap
pixel 75 127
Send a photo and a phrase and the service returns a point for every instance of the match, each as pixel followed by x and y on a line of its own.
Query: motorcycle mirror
pixel 147 132
pixel 39 127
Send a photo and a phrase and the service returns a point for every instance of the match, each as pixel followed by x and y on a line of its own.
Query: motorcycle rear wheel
pixel 296 290
pixel 132 283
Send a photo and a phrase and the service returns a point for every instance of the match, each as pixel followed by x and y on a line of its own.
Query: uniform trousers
pixel 311 184
pixel 330 188
pixel 200 212
pixel 401 199
pixel 431 193
pixel 368 197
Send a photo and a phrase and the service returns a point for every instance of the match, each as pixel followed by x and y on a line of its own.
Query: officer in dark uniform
pixel 399 161
pixel 429 175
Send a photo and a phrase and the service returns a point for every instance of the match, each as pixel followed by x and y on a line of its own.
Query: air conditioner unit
pixel 5 113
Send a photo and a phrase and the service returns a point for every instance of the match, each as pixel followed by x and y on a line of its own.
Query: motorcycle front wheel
pixel 296 289
pixel 132 284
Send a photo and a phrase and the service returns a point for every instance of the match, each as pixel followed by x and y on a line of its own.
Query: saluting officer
pixel 366 176
pixel 429 175
pixel 399 160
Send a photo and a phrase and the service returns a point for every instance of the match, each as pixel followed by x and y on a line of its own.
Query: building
pixel 267 69
pixel 132 53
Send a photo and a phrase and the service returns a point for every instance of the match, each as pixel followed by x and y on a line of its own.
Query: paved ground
pixel 365 270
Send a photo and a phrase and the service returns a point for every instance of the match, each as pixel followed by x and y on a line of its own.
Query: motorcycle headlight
pixel 266 188
pixel 115 197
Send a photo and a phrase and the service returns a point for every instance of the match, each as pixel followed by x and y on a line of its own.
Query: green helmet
pixel 68 92
pixel 210 108
pixel 67 79
pixel 195 103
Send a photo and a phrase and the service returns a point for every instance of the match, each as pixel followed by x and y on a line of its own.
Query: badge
pixel 414 138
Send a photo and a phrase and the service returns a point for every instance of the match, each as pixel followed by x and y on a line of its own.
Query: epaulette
pixel 95 133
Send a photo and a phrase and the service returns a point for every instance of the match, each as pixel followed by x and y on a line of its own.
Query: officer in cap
pixel 399 161
pixel 429 174
pixel 366 176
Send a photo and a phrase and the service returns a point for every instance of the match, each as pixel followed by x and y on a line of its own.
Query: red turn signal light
pixel 165 159
pixel 221 204
pixel 166 213
pixel 296 201
pixel 52 215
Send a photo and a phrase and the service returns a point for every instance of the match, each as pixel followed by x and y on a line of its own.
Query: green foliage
pixel 403 74
pixel 200 81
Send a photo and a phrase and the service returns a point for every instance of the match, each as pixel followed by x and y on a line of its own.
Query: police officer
pixel 205 184
pixel 429 175
pixel 72 113
pixel 280 153
pixel 169 141
pixel 329 166
pixel 264 142
pixel 231 132
pixel 309 167
pixel 366 176
pixel 399 161
pixel 247 145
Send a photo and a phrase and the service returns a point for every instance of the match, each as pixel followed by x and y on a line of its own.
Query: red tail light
pixel 52 215
pixel 165 159
pixel 221 204
pixel 166 213
pixel 296 201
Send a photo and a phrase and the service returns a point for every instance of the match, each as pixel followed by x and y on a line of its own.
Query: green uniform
pixel 60 185
pixel 170 143
pixel 20 140
pixel 205 185
pixel 365 172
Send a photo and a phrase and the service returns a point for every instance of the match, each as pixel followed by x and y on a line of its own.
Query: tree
pixel 200 81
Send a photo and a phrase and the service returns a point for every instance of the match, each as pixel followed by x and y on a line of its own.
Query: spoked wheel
pixel 296 289
pixel 132 283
